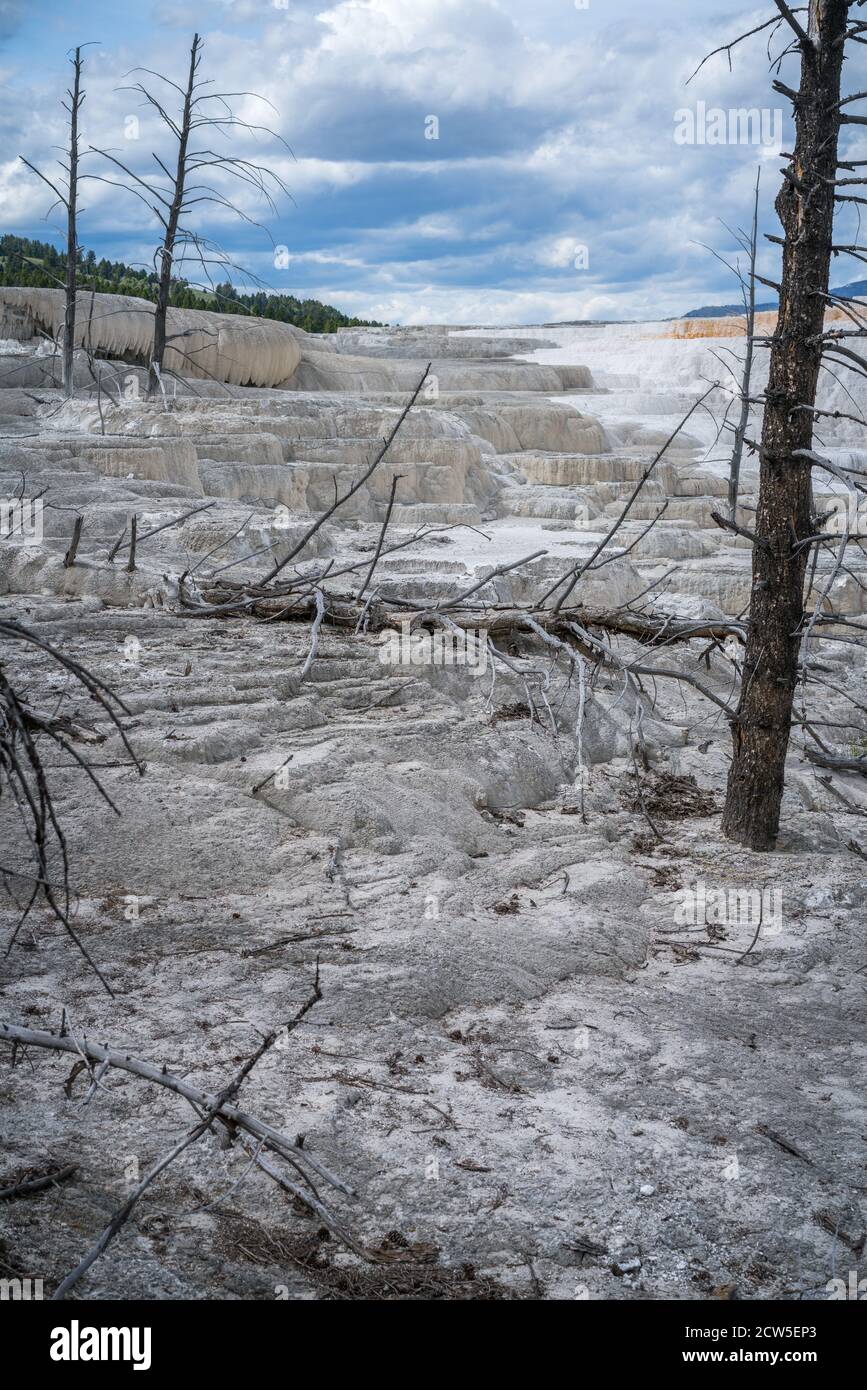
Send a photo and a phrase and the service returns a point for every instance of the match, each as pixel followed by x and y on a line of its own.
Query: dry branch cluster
pixel 254 1135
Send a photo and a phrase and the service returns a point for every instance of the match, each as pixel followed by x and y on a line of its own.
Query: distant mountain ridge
pixel 857 290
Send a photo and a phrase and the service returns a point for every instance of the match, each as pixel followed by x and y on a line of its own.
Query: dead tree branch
pixel 24 775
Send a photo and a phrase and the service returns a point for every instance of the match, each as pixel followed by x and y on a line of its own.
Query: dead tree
pixel 174 200
pixel 785 523
pixel 69 200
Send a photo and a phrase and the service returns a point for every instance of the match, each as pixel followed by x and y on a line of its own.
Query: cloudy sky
pixel 555 187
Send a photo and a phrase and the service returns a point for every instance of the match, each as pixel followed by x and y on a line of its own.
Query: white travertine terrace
pixel 506 986
pixel 226 347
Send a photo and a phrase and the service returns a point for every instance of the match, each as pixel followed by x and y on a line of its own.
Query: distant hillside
pixel 40 265
pixel 857 290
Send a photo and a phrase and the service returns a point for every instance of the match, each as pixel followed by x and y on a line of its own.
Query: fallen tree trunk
pixel 837 764
pixel 344 611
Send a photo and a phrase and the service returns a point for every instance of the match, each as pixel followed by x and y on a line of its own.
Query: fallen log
pixel 837 764
pixel 31 1185
pixel 343 611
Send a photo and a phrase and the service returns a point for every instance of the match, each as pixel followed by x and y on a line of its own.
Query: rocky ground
pixel 542 1077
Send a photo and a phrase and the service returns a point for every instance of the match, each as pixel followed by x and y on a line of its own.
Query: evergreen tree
pixel 39 265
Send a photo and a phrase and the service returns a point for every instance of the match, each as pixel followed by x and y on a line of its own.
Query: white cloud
pixel 556 132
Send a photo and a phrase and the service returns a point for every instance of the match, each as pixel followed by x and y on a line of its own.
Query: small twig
pixel 782 1143
pixel 24 1189
pixel 265 780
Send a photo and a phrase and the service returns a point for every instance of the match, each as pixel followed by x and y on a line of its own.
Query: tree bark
pixel 805 205
pixel 167 250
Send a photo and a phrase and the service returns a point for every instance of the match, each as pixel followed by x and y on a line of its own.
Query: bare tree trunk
pixel 167 250
pixel 68 200
pixel 805 206
pixel 71 233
